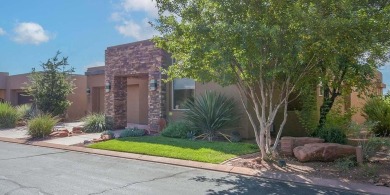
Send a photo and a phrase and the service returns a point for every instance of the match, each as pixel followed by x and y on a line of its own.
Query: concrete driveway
pixel 26 169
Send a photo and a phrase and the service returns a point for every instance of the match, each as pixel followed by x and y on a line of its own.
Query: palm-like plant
pixel 210 113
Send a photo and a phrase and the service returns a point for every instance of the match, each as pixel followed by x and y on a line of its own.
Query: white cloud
pixel 148 6
pixel 2 32
pixel 125 18
pixel 30 33
pixel 139 31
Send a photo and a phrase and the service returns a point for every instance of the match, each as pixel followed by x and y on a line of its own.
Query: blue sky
pixel 32 31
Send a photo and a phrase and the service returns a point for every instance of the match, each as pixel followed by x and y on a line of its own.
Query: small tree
pixel 51 86
pixel 257 46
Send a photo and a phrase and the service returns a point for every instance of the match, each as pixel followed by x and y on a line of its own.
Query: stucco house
pixel 11 90
pixel 130 89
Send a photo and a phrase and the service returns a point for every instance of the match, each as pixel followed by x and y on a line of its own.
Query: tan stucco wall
pixel 229 91
pixel 78 108
pixel 3 80
pixel 96 85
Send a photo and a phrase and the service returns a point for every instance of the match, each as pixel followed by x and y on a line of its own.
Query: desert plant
pixel 108 132
pixel 210 113
pixel 179 129
pixel 235 136
pixel 41 126
pixel 8 115
pixel 346 163
pixel 24 111
pixel 132 132
pixel 370 143
pixel 97 122
pixel 377 109
pixel 332 135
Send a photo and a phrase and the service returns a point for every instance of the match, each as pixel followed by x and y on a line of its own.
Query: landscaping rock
pixel 60 133
pixel 289 143
pixel 77 130
pixel 323 152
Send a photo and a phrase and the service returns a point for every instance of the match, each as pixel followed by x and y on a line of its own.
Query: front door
pixel 133 104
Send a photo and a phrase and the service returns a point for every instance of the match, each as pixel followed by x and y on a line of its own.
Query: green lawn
pixel 202 151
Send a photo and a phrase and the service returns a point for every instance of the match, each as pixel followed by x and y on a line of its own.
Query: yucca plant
pixel 210 113
pixel 378 110
pixel 42 125
pixel 8 116
pixel 97 122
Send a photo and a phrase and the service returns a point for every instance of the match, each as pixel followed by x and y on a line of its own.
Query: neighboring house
pixel 11 90
pixel 131 89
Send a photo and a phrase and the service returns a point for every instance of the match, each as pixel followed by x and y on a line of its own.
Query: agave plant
pixel 210 113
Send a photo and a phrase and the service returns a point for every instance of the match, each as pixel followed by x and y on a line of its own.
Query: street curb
pixel 286 177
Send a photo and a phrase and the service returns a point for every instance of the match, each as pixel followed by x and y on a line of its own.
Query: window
pixel 183 89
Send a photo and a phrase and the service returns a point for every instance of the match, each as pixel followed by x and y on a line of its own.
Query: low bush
pixel 372 145
pixel 41 126
pixel 179 129
pixel 24 111
pixel 8 116
pixel 94 123
pixel 108 132
pixel 378 110
pixel 235 136
pixel 332 135
pixel 132 132
pixel 346 163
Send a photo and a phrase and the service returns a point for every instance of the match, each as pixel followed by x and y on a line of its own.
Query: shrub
pixel 210 113
pixel 235 136
pixel 132 132
pixel 24 111
pixel 41 126
pixel 8 116
pixel 109 132
pixel 94 123
pixel 346 163
pixel 378 110
pixel 179 129
pixel 332 135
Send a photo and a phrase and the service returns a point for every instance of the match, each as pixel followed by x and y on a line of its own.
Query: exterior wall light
pixel 153 85
pixel 107 87
pixel 88 90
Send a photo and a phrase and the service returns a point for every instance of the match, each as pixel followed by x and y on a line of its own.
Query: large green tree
pixel 350 40
pixel 51 86
pixel 268 48
pixel 259 46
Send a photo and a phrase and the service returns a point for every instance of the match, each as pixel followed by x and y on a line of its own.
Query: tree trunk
pixel 329 98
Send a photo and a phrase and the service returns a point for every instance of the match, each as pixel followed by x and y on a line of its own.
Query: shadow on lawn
pixel 225 147
pixel 237 184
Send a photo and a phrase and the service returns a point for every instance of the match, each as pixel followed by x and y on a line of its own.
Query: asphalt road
pixel 35 170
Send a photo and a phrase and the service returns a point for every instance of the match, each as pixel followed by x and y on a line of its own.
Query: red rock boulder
pixel 289 143
pixel 323 152
pixel 60 133
pixel 77 130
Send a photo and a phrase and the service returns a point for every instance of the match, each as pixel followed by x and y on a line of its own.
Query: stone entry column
pixel 116 101
pixel 156 99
